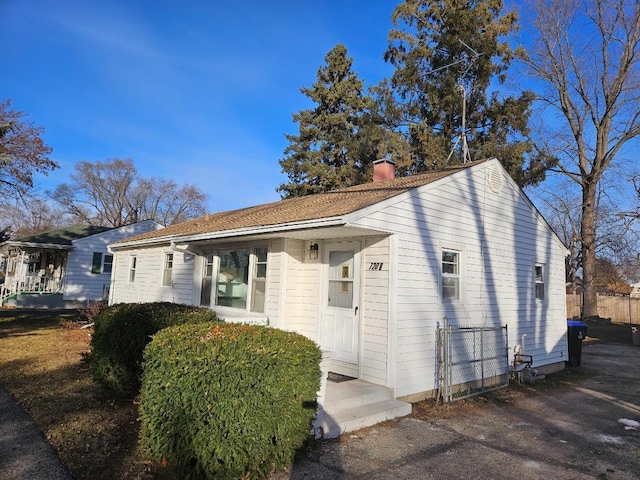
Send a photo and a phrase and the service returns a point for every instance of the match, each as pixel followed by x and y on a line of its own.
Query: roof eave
pixel 51 246
pixel 238 232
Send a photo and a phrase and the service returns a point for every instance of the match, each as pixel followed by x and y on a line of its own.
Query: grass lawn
pixel 94 432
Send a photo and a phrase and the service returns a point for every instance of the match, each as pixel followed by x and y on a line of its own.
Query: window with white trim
pixel 101 263
pixel 133 261
pixel 107 263
pixel 451 278
pixel 207 280
pixel 539 273
pixel 240 279
pixel 167 270
pixel 96 262
pixel 259 279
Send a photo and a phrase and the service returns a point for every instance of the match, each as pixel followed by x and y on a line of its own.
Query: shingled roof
pixel 62 236
pixel 300 209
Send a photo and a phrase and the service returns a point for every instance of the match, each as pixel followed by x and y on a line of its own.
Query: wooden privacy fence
pixel 618 309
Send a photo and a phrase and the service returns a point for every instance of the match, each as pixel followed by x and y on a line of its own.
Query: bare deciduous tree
pixel 167 203
pixel 111 193
pixel 22 152
pixel 585 57
pixel 31 215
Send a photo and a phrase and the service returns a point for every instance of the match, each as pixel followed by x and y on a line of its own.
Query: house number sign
pixel 376 265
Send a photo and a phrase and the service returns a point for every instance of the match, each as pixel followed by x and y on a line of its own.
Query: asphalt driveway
pixel 582 424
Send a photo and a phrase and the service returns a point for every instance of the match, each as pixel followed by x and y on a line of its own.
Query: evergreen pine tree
pixel 447 52
pixel 338 139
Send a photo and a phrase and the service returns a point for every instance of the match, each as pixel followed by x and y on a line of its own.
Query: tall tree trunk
pixel 588 237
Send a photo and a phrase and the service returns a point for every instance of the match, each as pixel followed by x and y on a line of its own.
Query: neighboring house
pixel 70 264
pixel 373 272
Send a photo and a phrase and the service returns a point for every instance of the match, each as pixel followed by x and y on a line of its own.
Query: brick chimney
pixel 383 169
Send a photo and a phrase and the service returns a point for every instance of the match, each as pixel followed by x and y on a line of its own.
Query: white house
pixel 374 274
pixel 58 267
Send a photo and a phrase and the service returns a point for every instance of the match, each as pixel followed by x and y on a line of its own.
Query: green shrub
pixel 122 331
pixel 226 400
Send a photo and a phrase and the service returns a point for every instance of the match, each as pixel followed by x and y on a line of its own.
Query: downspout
pixel 112 278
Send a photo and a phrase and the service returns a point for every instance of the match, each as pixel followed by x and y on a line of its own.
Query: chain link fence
pixel 473 360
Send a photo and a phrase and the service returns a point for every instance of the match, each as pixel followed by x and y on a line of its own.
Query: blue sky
pixel 200 92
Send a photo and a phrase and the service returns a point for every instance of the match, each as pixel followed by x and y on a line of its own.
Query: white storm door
pixel 341 324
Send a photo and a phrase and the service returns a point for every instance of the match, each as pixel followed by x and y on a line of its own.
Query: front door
pixel 341 325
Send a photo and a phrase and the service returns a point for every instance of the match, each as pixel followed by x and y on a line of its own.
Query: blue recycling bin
pixel 576 333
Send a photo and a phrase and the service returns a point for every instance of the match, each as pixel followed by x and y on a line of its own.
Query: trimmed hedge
pixel 226 400
pixel 122 331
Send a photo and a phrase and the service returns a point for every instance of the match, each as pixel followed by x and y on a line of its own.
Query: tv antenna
pixel 466 155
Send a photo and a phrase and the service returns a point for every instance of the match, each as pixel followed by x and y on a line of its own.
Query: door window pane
pixel 341 279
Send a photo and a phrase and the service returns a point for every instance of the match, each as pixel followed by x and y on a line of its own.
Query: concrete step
pixel 344 420
pixel 355 393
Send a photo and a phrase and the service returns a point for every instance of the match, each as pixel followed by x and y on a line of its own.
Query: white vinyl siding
pixel 302 276
pixel 502 237
pixel 80 286
pixel 146 287
pixel 375 310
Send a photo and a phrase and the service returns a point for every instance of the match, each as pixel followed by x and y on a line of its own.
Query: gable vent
pixel 494 179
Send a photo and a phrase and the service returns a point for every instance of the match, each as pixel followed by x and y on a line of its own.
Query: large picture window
pixel 450 275
pixel 240 279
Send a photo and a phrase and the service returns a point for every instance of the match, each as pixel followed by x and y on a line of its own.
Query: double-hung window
pixel 167 269
pixel 539 273
pixel 451 277
pixel 240 279
pixel 133 261
pixel 259 279
pixel 107 263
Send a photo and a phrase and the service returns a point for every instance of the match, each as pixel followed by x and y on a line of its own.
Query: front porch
pixel 351 404
pixel 14 287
